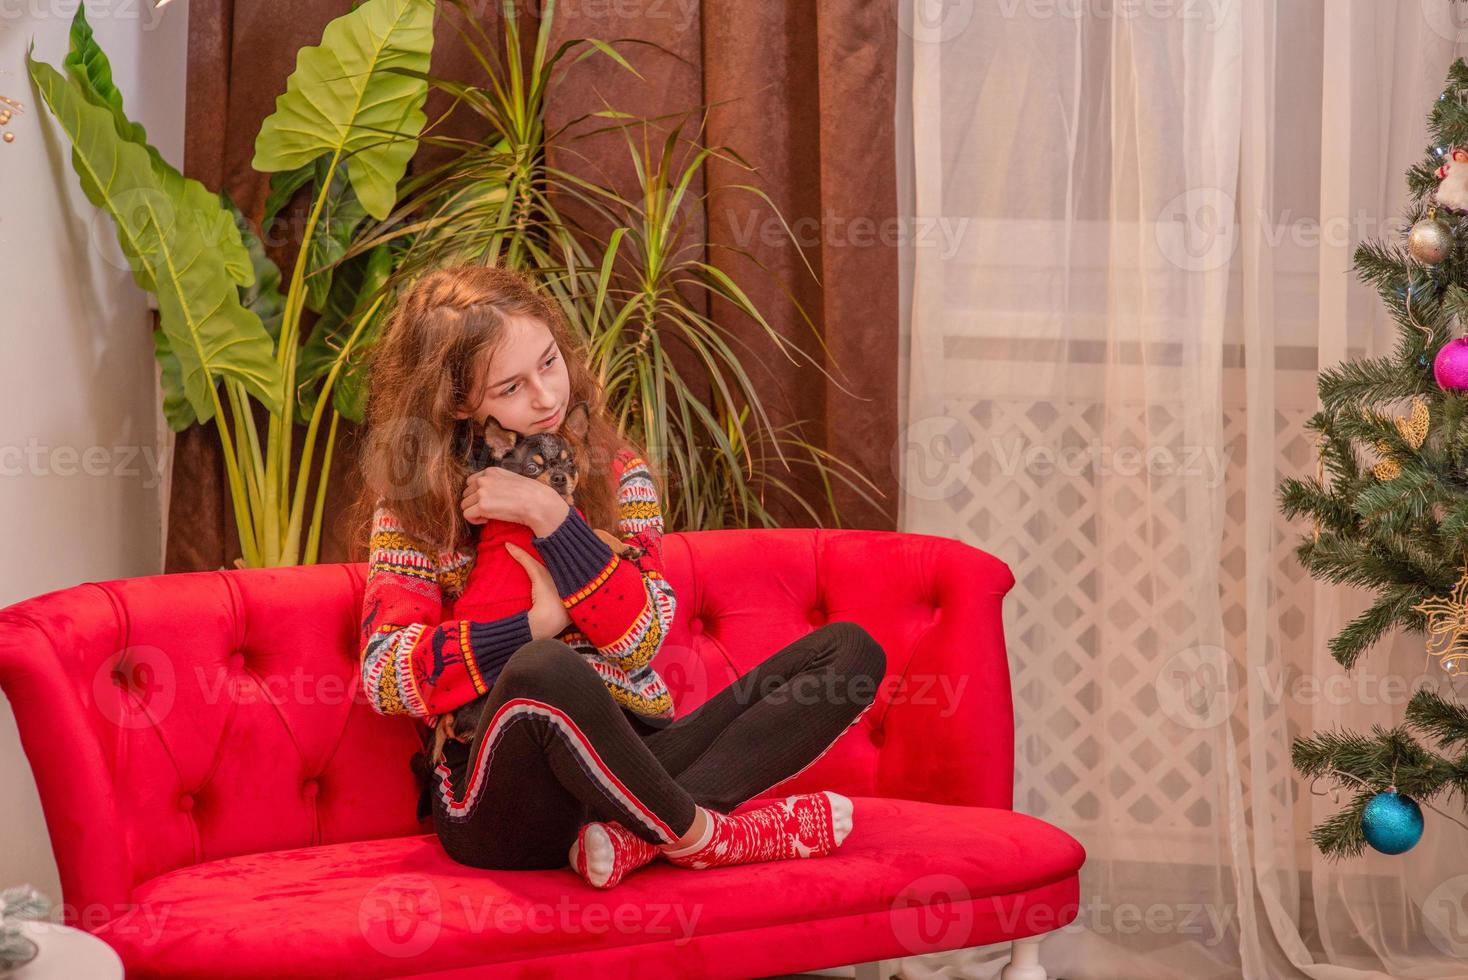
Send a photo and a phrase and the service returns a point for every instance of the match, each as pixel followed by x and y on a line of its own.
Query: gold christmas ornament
pixel 1447 628
pixel 1429 241
pixel 1414 432
pixel 9 106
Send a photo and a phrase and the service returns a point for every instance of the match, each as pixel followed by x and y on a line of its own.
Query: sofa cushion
pixel 401 906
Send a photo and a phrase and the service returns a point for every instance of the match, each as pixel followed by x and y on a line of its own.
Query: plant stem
pixel 237 491
pixel 298 501
pixel 282 424
pixel 313 540
pixel 252 465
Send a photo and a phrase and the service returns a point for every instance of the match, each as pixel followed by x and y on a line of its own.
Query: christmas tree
pixel 1389 503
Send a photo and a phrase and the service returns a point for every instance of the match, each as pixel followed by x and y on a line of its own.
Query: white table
pixel 66 954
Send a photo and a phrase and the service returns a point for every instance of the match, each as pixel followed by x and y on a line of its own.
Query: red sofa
pixel 222 801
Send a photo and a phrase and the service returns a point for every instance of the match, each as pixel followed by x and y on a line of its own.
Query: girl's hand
pixel 497 493
pixel 548 616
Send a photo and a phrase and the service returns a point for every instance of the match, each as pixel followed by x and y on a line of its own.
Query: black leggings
pixel 554 749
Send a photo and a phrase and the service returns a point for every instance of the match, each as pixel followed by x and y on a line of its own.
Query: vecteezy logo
pixel 1445 916
pixel 685 673
pixel 135 687
pixel 932 913
pixel 932 456
pixel 401 916
pixel 1193 687
pixel 934 21
pixel 1446 18
pixel 1196 230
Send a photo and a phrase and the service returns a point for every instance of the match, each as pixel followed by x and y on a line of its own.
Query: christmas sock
pixel 604 853
pixel 806 825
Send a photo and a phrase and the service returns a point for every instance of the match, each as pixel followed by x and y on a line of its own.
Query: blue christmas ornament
pixel 1392 822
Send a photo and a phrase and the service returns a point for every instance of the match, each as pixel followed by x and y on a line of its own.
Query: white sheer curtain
pixel 1132 229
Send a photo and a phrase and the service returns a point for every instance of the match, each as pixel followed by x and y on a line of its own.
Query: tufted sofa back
pixel 176 719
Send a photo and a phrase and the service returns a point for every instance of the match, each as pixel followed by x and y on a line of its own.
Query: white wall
pixel 83 448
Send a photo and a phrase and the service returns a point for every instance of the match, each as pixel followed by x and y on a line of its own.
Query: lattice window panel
pixel 1090 619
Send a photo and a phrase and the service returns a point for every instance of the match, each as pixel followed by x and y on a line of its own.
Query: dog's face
pixel 544 456
pixel 463 721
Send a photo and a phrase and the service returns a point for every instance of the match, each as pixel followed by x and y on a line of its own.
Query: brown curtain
pixel 803 91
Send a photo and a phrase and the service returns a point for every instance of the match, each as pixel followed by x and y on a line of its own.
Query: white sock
pixel 841 809
pixel 708 831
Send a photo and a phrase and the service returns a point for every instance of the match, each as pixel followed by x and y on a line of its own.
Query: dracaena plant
pixel 645 279
pixel 229 321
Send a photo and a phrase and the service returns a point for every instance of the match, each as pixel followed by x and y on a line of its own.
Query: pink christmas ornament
pixel 1450 368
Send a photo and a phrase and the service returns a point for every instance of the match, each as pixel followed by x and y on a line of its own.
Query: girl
pixel 578 757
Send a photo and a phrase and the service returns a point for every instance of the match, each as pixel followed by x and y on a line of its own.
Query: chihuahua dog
pixel 551 459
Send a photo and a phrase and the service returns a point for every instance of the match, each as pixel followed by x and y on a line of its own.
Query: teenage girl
pixel 579 757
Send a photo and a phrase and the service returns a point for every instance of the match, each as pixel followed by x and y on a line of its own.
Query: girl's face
pixel 526 387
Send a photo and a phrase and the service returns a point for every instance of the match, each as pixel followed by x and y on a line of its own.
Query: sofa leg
pixel 875 970
pixel 1024 961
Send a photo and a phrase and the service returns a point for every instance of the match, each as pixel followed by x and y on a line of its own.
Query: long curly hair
pixel 415 456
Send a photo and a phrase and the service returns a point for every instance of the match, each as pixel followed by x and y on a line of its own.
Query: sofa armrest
pixel 175 719
pixel 41 673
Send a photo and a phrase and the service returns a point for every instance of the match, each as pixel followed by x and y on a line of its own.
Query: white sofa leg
pixel 875 970
pixel 1024 961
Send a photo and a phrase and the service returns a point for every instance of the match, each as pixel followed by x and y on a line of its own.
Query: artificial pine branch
pixel 1411 491
pixel 1336 452
pixel 1366 766
pixel 1339 835
pixel 1391 514
pixel 1393 607
pixel 1432 714
pixel 1308 497
pixel 1364 382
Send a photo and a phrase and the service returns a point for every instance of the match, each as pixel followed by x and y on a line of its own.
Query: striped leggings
pixel 554 749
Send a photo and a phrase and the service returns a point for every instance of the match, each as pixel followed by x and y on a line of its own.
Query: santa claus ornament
pixel 1452 189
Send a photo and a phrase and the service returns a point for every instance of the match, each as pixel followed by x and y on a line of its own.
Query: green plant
pixel 349 119
pixel 343 133
pixel 657 284
pixel 649 281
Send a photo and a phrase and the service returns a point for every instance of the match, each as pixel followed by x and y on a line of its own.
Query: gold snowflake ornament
pixel 1447 628
pixel 1413 430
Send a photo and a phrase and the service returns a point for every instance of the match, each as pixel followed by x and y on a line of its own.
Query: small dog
pixel 550 458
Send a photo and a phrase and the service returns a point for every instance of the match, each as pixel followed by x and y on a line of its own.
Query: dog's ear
pixel 440 735
pixel 500 439
pixel 578 419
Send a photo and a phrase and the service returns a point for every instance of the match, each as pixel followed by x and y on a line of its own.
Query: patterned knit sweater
pixel 417 663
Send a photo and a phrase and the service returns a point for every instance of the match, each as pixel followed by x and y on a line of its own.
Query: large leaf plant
pixel 346 125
